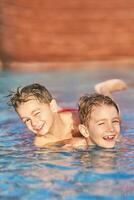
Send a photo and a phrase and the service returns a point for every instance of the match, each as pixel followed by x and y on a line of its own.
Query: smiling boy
pixel 99 120
pixel 40 113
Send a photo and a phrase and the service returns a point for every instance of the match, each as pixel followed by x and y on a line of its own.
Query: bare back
pixel 71 119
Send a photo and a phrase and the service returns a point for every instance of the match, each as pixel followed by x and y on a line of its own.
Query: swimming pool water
pixel 27 172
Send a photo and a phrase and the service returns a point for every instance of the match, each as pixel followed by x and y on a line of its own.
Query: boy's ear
pixel 53 105
pixel 83 130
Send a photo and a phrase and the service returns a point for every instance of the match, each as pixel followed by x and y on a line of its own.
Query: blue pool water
pixel 27 172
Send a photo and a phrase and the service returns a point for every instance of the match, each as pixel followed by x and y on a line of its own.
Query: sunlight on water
pixel 27 172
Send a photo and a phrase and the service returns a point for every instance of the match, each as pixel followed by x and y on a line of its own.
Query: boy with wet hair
pixel 99 120
pixel 39 111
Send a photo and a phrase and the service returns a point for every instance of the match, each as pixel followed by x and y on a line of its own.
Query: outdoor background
pixel 45 34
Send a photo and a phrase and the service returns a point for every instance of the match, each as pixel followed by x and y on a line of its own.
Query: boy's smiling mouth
pixel 109 138
pixel 39 130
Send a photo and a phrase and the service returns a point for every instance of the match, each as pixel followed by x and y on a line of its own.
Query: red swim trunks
pixel 68 110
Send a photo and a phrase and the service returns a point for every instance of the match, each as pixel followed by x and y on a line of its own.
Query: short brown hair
pixel 22 95
pixel 87 102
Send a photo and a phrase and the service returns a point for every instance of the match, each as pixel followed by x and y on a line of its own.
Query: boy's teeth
pixel 108 137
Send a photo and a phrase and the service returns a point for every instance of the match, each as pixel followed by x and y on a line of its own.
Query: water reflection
pixel 100 160
pixel 32 173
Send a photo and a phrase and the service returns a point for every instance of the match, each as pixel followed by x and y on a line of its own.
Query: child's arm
pixel 44 141
pixel 40 141
pixel 76 143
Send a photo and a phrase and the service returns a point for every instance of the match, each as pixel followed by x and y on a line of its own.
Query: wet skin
pixel 38 117
pixel 103 127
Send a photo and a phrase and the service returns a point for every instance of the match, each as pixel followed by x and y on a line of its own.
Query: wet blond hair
pixel 22 95
pixel 87 102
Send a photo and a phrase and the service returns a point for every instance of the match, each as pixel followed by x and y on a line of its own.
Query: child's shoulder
pixel 45 141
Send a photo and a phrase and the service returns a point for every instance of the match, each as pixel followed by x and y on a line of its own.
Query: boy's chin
pixel 40 134
pixel 107 145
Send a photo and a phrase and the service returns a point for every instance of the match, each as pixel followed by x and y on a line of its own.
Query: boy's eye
pixel 36 114
pixel 25 121
pixel 101 123
pixel 116 121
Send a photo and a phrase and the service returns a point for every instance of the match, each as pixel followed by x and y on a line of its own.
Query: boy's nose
pixel 110 127
pixel 35 123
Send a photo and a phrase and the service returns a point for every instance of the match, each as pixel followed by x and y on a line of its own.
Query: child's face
pixel 104 126
pixel 37 116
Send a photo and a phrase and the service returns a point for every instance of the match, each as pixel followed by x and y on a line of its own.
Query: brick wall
pixel 72 30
